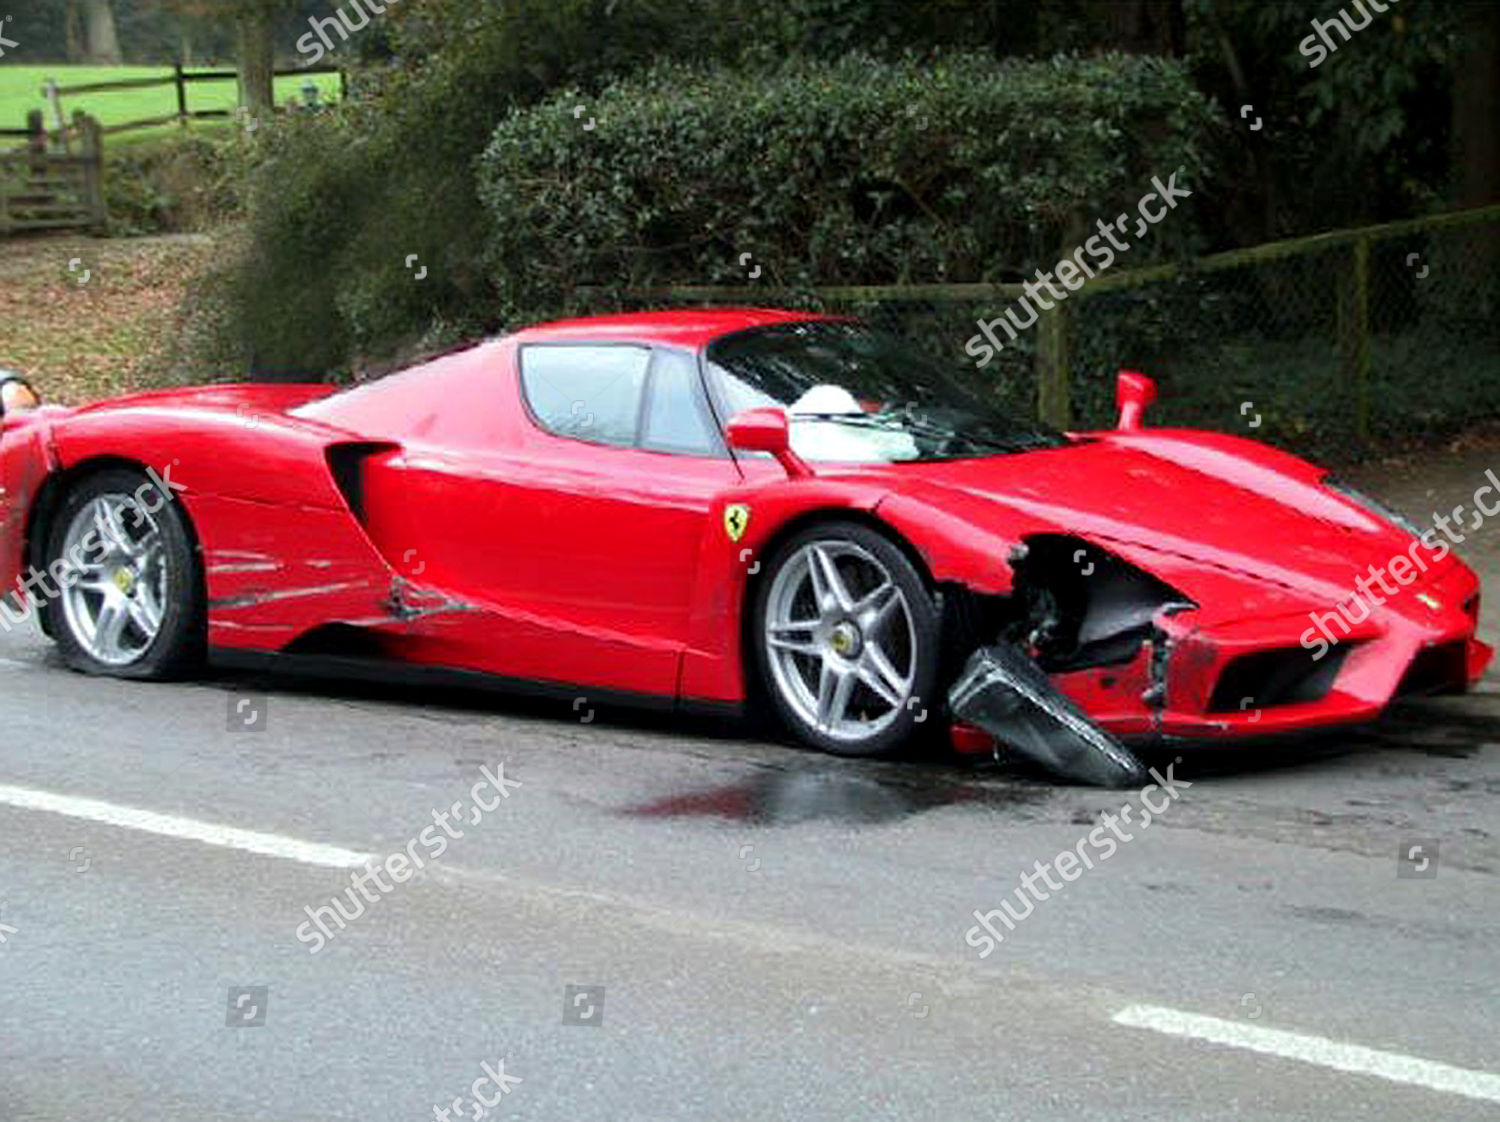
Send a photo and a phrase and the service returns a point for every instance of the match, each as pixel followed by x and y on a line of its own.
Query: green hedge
pixel 856 171
pixel 849 171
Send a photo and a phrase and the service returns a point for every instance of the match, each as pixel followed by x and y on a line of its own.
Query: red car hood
pixel 1186 525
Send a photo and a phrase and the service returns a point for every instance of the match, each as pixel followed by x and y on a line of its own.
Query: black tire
pixel 179 645
pixel 907 724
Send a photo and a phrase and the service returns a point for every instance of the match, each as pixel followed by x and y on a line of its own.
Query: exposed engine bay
pixel 1074 606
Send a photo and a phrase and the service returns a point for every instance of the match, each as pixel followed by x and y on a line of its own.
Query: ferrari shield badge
pixel 736 520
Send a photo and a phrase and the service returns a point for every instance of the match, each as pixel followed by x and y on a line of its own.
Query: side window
pixel 677 418
pixel 586 392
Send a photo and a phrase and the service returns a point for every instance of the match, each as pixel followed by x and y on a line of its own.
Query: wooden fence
pixel 179 78
pixel 43 188
pixel 51 176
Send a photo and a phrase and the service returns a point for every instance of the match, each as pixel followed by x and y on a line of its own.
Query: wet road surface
pixel 669 919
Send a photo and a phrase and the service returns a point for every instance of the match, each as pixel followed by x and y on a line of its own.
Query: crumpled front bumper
pixel 1199 680
pixel 1235 678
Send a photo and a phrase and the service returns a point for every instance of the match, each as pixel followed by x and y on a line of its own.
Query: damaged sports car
pixel 729 508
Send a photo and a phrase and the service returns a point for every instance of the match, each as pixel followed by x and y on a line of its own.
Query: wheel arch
pixel 784 533
pixel 54 492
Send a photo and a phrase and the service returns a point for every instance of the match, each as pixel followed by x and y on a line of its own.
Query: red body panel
pixel 469 537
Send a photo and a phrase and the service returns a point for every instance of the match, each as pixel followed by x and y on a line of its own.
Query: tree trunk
pixel 103 44
pixel 1156 27
pixel 1476 108
pixel 257 62
pixel 73 31
pixel 1476 145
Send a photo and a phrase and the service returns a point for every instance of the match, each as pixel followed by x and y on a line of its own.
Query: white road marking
pixel 1315 1050
pixel 16 664
pixel 190 829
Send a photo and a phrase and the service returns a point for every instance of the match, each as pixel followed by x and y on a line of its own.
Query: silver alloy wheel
pixel 115 607
pixel 840 640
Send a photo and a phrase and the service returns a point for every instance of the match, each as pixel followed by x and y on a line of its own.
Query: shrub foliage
pixel 845 171
pixel 854 171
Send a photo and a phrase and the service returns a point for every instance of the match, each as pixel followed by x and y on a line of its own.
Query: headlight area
pixel 1371 505
pixel 1074 607
pixel 1078 606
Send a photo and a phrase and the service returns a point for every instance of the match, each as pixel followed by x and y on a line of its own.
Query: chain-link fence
pixel 1327 344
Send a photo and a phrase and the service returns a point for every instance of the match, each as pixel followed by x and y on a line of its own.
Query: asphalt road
pixel 777 935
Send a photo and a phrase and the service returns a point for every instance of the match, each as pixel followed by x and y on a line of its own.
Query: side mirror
pixel 766 430
pixel 1133 393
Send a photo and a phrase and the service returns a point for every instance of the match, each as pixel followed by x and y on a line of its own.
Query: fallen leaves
pixel 77 341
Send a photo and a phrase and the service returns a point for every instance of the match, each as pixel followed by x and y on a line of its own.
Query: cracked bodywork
pixel 407 601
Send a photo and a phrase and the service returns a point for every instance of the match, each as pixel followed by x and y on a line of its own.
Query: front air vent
pixel 1440 669
pixel 1280 677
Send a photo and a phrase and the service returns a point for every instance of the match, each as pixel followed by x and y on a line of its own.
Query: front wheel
pixel 127 577
pixel 846 640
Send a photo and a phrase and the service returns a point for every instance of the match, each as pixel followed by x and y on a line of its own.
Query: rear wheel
pixel 130 600
pixel 846 640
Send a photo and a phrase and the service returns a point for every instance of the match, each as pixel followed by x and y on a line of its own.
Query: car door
pixel 578 540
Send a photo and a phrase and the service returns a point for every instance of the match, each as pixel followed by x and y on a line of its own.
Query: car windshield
pixel 854 395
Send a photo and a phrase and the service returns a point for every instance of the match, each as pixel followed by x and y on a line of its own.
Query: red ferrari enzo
pixel 729 507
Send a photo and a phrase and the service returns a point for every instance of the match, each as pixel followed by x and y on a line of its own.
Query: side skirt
pixel 384 671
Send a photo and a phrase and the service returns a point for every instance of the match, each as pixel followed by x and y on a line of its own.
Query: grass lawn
pixel 21 91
